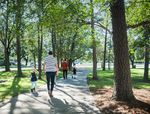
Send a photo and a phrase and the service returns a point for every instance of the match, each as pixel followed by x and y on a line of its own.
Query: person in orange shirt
pixel 64 66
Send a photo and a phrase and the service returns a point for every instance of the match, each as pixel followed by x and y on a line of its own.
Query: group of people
pixel 51 70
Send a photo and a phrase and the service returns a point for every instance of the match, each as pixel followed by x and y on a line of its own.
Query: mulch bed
pixel 108 106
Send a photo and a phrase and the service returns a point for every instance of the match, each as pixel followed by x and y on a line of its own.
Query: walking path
pixel 71 96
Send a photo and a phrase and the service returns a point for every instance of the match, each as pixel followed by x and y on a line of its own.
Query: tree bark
pixel 109 59
pixel 26 59
pixel 34 58
pixel 72 49
pixel 6 41
pixel 132 62
pixel 122 88
pixel 146 64
pixel 94 43
pixel 53 41
pixel 147 52
pixel 131 58
pixel 70 64
pixel 18 46
pixel 104 59
pixel 7 63
pixel 40 47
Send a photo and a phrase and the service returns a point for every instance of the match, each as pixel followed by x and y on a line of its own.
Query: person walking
pixel 64 66
pixel 74 70
pixel 33 79
pixel 51 70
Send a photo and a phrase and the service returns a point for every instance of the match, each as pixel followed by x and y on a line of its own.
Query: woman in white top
pixel 51 70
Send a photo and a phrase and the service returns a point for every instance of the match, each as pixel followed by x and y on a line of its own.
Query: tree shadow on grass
pixel 5 74
pixel 12 91
pixel 139 83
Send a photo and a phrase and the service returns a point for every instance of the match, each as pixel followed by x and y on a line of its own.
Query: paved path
pixel 71 96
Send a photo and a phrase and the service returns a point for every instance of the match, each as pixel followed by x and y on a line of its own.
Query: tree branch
pixel 2 41
pixel 143 23
pixel 131 2
pixel 102 26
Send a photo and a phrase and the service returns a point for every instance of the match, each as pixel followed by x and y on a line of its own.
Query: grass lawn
pixel 106 80
pixel 11 86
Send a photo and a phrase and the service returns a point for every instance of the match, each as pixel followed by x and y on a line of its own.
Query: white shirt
pixel 50 63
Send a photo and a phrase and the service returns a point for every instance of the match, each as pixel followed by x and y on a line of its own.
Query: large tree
pixel 141 21
pixel 147 51
pixel 6 30
pixel 19 7
pixel 94 42
pixel 122 88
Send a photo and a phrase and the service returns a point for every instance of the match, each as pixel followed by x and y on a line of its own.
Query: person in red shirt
pixel 64 66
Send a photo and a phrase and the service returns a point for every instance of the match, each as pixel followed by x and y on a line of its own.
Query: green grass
pixel 106 80
pixel 137 79
pixel 11 86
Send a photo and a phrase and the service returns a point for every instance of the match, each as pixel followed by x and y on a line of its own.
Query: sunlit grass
pixel 15 87
pixel 137 79
pixel 106 79
pixel 11 86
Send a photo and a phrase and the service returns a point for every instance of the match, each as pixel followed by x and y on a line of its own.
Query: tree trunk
pixel 18 46
pixel 58 60
pixel 146 64
pixel 7 63
pixel 94 43
pixel 147 54
pixel 104 59
pixel 40 47
pixel 6 46
pixel 109 59
pixel 19 71
pixel 70 64
pixel 132 63
pixel 34 58
pixel 40 40
pixel 54 41
pixel 122 88
pixel 72 49
pixel 26 59
pixel 131 57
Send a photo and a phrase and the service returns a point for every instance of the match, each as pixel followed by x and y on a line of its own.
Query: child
pixel 74 71
pixel 33 80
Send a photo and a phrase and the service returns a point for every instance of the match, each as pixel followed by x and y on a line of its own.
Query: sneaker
pixel 50 93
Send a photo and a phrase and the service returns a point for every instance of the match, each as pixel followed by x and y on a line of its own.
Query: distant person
pixel 64 66
pixel 74 70
pixel 51 70
pixel 33 80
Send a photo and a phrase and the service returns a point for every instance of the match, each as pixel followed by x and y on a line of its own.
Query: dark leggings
pixel 50 76
pixel 65 74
